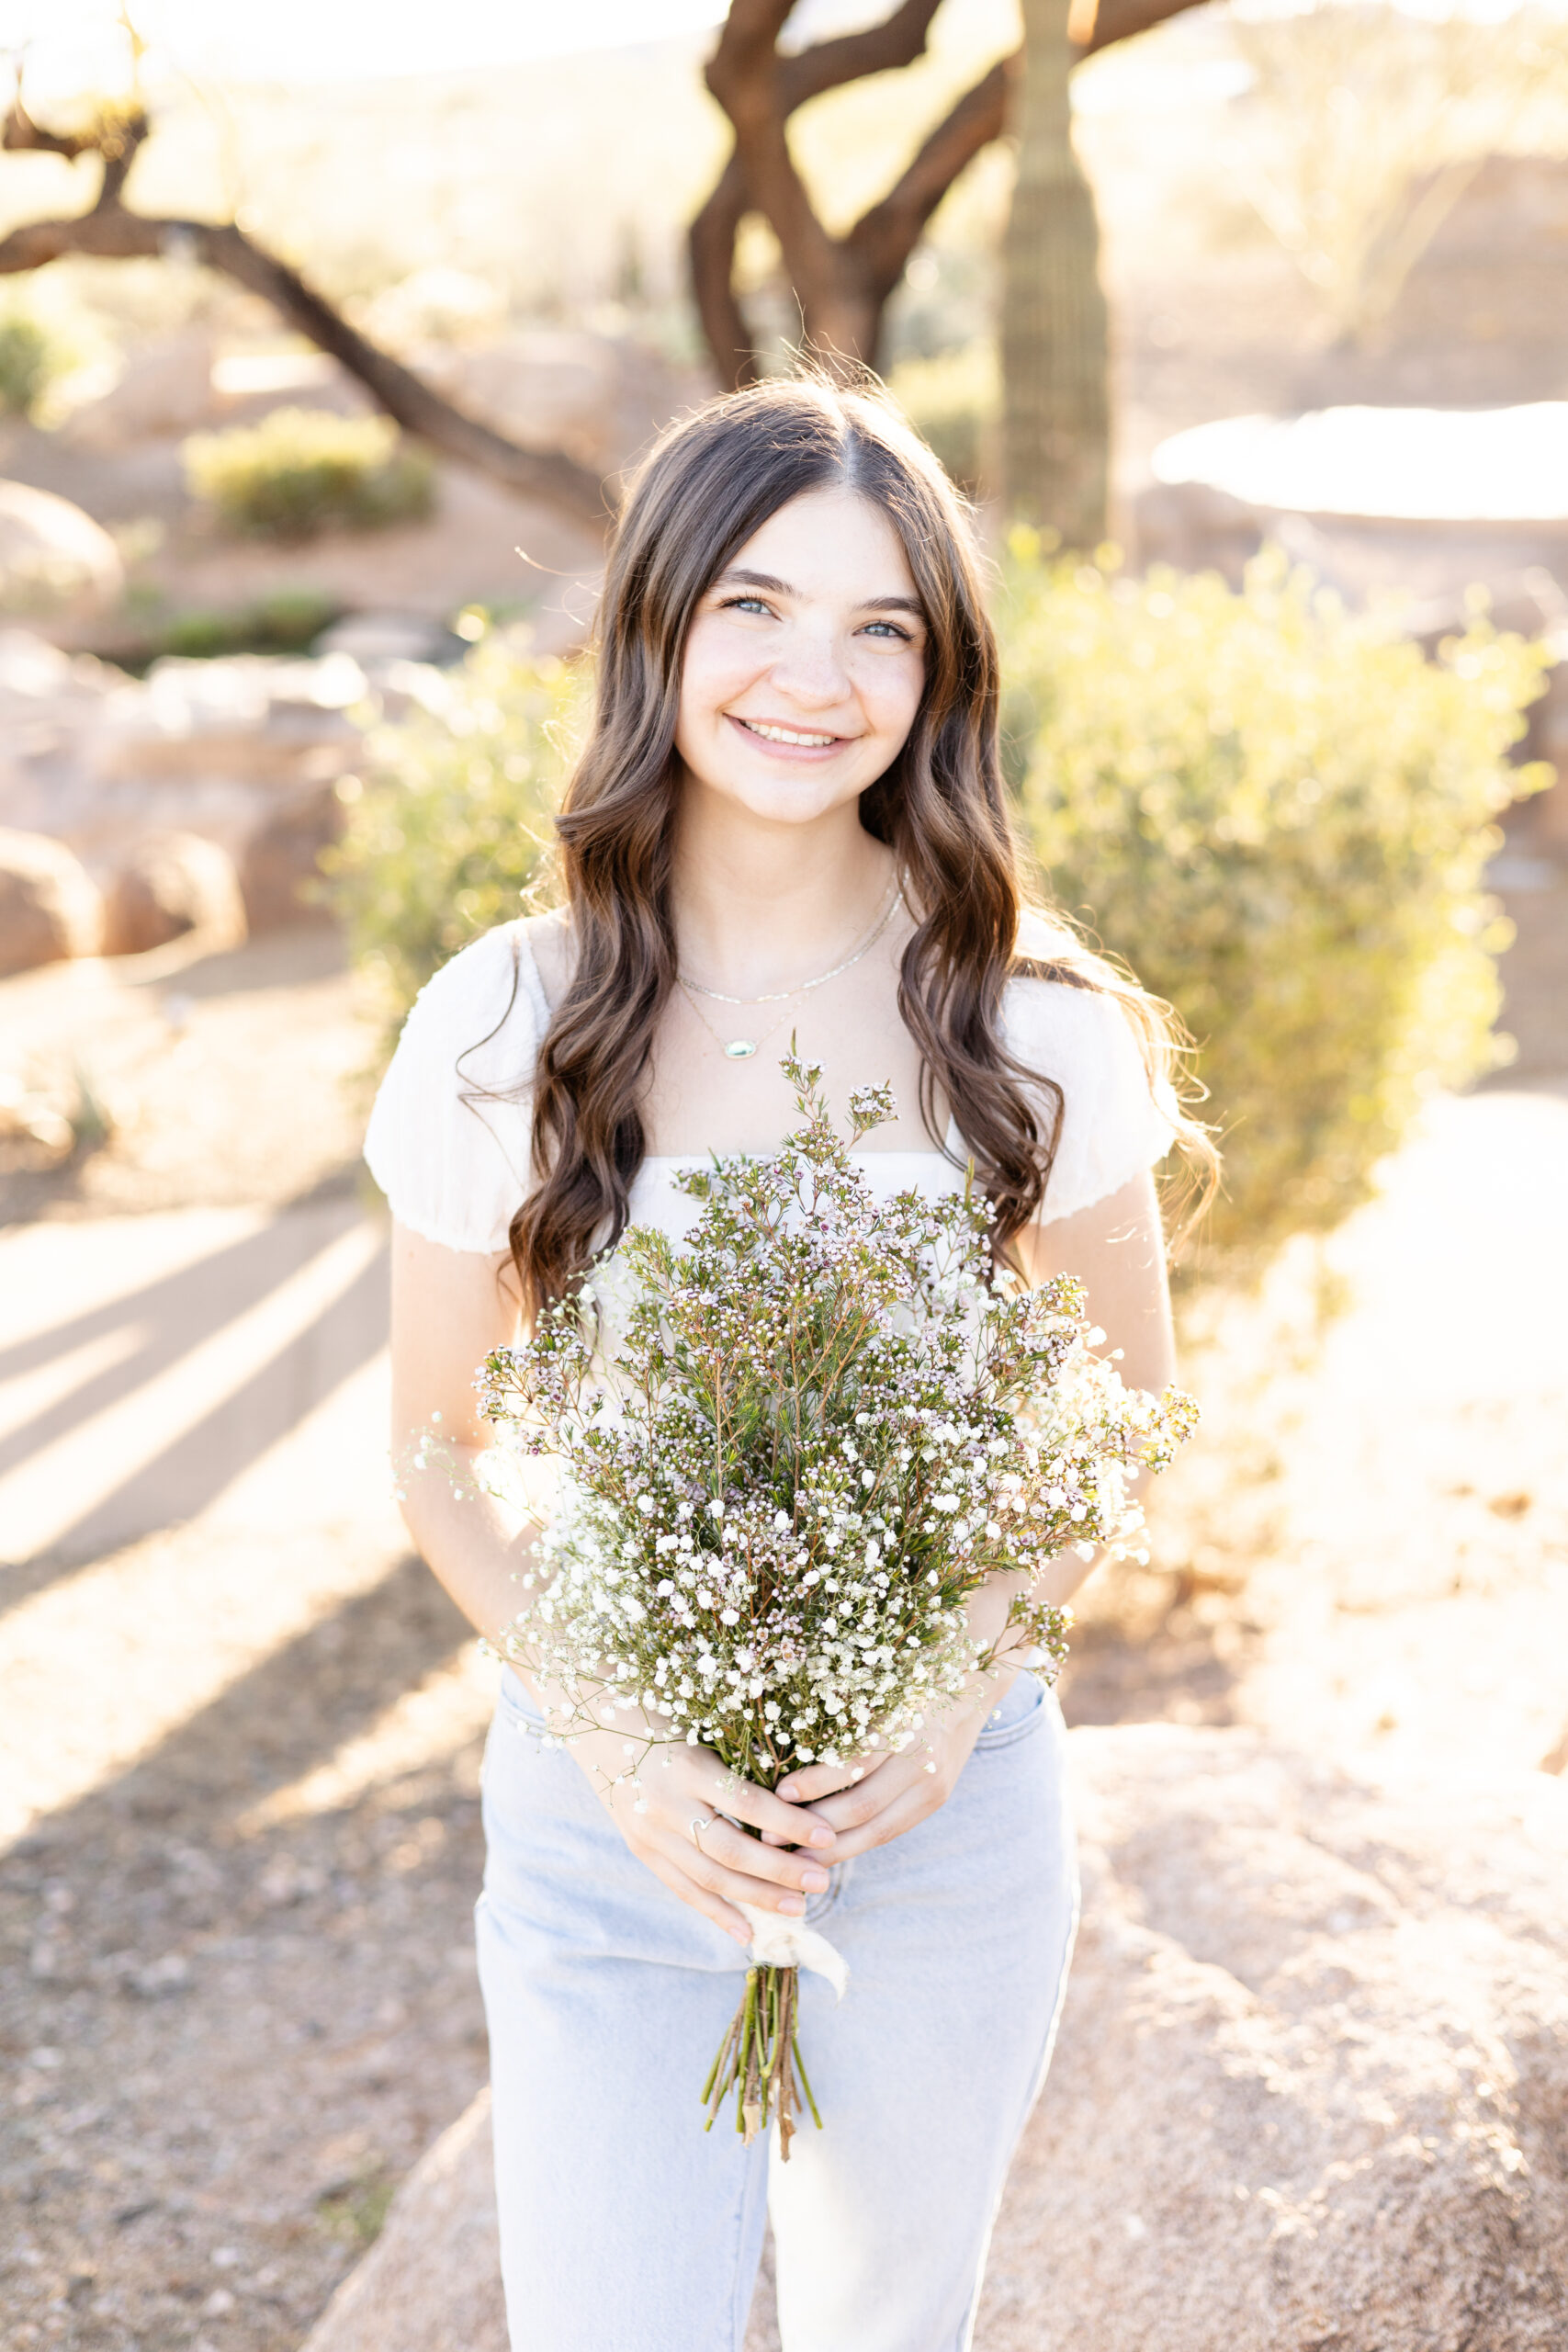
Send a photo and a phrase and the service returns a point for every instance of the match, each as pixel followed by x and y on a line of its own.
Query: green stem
pixel 805 2081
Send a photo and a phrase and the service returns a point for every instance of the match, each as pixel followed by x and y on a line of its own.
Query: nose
pixel 811 671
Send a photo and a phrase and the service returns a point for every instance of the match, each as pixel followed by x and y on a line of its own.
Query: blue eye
pixel 743 604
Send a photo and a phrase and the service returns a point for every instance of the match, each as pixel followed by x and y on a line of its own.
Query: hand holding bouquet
pixel 826 1425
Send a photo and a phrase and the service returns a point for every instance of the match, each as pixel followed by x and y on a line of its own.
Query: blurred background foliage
pixel 54 348
pixel 25 362
pixel 953 401
pixel 1279 813
pixel 301 471
pixel 448 829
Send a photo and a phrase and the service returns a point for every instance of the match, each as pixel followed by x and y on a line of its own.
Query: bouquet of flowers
pixel 825 1424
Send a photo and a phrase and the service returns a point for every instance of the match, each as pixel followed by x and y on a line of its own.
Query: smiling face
pixel 805 663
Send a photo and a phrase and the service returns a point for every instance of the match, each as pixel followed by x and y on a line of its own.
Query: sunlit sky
pixel 71 43
pixel 70 46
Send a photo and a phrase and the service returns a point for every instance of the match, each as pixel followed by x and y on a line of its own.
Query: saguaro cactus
pixel 1057 420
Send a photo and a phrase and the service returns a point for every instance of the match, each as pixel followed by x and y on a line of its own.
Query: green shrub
pixel 54 350
pixel 27 364
pixel 448 828
pixel 953 402
pixel 1278 814
pixel 303 470
pixel 286 621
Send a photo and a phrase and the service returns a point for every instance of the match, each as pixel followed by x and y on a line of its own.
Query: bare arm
pixel 450 1308
pixel 1117 1250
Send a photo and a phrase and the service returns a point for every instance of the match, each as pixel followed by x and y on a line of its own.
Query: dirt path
pixel 229 1079
pixel 239 1788
pixel 241 1727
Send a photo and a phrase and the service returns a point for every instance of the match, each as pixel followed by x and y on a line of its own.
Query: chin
pixel 796 798
pixel 785 805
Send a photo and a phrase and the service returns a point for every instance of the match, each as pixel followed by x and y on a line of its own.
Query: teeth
pixel 786 735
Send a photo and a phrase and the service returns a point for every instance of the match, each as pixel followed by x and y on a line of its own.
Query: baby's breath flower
pixel 791 1448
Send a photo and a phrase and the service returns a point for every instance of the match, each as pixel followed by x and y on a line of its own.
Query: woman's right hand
pixel 722 1866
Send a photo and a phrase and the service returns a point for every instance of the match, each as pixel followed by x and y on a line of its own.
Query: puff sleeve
pixel 450 1135
pixel 1115 1122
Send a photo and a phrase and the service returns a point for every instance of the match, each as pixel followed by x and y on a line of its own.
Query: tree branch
pixel 120 143
pixel 845 283
pixel 747 47
pixel 742 75
pixel 883 239
pixel 710 247
pixel 22 135
pixel 110 232
pixel 849 57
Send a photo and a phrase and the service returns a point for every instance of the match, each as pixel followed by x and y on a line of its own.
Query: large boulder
pixel 50 910
pixel 280 871
pixel 56 563
pixel 1312 2087
pixel 432 2281
pixel 1310 2093
pixel 164 391
pixel 254 717
pixel 243 752
pixel 166 885
pixel 1195 527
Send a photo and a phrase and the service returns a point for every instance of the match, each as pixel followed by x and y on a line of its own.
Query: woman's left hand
pixel 872 1798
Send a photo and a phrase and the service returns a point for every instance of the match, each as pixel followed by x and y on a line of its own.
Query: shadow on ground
pixel 226 2042
pixel 178 1477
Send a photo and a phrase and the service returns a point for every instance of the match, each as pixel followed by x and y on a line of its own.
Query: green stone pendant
pixel 739 1049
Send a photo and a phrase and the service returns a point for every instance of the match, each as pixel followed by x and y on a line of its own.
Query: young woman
pixel 788 818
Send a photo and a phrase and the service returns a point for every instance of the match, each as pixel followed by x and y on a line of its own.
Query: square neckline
pixel 528 968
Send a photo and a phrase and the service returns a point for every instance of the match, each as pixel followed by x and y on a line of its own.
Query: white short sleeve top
pixel 450 1136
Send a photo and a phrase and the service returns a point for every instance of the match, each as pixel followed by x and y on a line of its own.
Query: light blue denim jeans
pixel 623 2227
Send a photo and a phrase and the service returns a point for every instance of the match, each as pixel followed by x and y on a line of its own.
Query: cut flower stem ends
pixel 758 2059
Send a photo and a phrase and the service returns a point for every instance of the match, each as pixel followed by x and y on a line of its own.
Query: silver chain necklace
pixel 741 1049
pixel 734 1049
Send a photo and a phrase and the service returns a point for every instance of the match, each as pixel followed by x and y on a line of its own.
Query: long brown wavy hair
pixel 711 481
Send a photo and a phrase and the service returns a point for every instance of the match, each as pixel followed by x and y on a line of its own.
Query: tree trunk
pixel 841 284
pixel 1056 418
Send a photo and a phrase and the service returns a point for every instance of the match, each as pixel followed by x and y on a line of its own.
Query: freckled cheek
pixel 711 678
pixel 889 697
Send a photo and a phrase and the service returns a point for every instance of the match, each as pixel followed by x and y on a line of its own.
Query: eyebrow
pixel 774 587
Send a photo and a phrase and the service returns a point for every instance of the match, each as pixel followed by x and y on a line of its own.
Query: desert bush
pixel 303 470
pixel 288 620
pixel 50 345
pixel 1279 814
pixel 26 363
pixel 450 823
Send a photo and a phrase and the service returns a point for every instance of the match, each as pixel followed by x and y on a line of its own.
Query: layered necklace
pixel 741 1049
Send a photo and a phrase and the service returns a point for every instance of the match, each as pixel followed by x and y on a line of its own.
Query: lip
pixel 810 754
